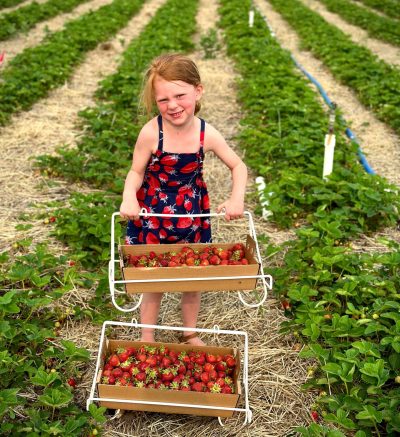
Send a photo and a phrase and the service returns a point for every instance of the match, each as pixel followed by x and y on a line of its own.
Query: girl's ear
pixel 199 91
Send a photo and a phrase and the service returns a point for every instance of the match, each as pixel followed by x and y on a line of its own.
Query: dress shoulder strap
pixel 202 131
pixel 160 133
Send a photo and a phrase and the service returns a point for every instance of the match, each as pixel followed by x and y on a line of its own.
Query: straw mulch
pixel 275 370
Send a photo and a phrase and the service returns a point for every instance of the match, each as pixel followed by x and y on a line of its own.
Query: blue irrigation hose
pixel 349 133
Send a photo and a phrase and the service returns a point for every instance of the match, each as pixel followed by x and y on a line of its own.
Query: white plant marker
pixel 260 182
pixel 251 18
pixel 330 141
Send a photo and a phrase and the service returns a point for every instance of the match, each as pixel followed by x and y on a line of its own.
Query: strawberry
pixel 117 372
pixel 188 168
pixel 230 361
pixel 205 377
pixel 184 222
pixel 114 360
pixel 188 205
pixel 141 376
pixel 208 367
pixel 197 386
pixel 140 356
pixel 314 416
pixel 211 358
pixel 72 383
pixel 214 260
pixel 226 389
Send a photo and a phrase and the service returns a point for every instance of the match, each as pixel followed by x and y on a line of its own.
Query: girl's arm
pixel 215 142
pixel 141 155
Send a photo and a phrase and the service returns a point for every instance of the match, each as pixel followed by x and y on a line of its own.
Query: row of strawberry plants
pixel 40 374
pixel 379 27
pixel 34 72
pixel 375 82
pixel 9 3
pixel 111 129
pixel 388 7
pixel 25 17
pixel 345 305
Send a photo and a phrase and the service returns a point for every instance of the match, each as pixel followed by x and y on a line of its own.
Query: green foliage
pixel 31 359
pixel 352 64
pixel 378 27
pixel 9 3
pixel 34 72
pixel 343 305
pixel 388 7
pixel 209 43
pixel 25 17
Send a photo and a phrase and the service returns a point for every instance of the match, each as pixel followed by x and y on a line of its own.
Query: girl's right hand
pixel 130 210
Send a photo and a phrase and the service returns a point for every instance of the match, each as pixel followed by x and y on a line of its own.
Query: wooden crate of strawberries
pixel 169 372
pixel 198 260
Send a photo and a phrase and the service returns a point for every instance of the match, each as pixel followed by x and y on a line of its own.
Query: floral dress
pixel 173 184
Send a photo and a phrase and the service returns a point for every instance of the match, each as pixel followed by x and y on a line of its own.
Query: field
pixel 324 349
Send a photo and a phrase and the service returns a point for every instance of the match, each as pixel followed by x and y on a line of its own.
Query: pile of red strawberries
pixel 207 256
pixel 165 369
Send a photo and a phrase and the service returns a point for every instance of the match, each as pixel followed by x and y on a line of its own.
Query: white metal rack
pixel 215 330
pixel 266 280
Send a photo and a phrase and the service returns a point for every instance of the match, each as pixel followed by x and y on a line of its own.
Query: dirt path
pixel 22 41
pixel 378 142
pixel 49 124
pixel 387 52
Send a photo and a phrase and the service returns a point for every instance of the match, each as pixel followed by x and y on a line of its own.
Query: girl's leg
pixel 190 311
pixel 149 310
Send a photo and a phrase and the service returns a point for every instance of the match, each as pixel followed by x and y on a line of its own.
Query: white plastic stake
pixel 251 18
pixel 330 141
pixel 260 182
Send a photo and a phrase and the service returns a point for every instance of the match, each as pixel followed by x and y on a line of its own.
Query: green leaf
pixel 370 413
pixel 55 398
pixel 43 378
pixel 97 413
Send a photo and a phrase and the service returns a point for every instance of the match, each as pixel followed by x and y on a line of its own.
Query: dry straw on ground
pixel 275 371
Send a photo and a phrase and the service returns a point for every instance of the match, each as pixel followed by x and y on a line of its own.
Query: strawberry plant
pixel 353 65
pixel 388 7
pixel 377 26
pixel 9 3
pixel 35 71
pixel 32 360
pixel 344 306
pixel 25 17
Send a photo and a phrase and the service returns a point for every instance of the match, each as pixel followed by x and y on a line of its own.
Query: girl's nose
pixel 172 104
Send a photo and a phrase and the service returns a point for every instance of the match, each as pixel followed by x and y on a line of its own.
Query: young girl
pixel 167 174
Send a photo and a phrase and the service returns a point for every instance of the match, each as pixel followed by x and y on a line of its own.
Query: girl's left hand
pixel 233 209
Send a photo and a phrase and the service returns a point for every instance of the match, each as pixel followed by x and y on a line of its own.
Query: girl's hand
pixel 233 209
pixel 130 209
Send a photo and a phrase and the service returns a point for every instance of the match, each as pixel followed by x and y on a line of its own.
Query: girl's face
pixel 176 100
